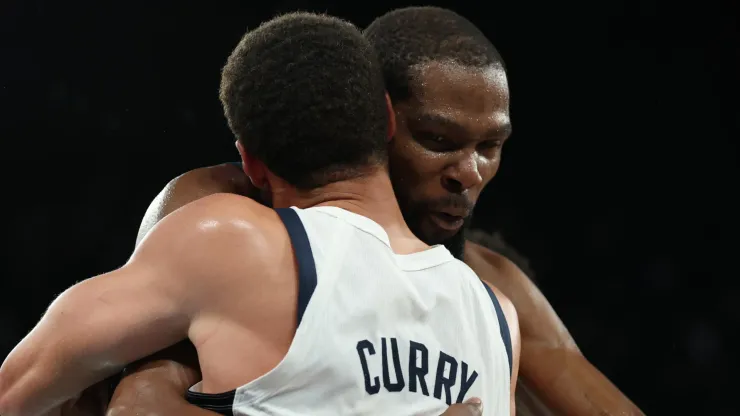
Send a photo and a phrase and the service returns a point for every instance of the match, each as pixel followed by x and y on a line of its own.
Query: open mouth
pixel 447 221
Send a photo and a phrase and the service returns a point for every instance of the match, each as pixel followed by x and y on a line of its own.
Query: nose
pixel 462 175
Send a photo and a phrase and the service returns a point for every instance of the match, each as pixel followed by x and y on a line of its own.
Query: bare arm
pixel 552 365
pixel 90 332
pixel 157 384
pixel 101 324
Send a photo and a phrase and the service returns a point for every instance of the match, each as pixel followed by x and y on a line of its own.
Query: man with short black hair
pixel 346 120
pixel 451 98
pixel 330 293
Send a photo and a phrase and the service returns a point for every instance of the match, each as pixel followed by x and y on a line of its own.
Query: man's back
pixel 381 331
pixel 217 266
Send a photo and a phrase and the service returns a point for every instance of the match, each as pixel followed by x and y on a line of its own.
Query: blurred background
pixel 618 187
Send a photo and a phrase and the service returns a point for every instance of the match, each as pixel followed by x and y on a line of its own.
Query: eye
pixel 491 144
pixel 434 142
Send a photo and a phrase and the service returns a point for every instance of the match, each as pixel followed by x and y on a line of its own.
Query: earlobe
pixel 252 167
pixel 242 155
pixel 391 117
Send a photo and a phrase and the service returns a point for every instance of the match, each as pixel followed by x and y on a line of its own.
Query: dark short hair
pixel 408 37
pixel 304 94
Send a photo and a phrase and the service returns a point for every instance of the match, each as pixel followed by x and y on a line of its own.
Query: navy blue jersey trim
pixel 502 324
pixel 304 257
pixel 222 403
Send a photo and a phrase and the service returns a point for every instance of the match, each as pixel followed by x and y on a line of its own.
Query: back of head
pixel 410 37
pixel 304 94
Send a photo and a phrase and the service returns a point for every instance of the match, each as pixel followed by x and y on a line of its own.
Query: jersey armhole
pixel 502 324
pixel 222 403
pixel 304 257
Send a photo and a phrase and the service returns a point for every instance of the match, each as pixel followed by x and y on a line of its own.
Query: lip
pixel 446 221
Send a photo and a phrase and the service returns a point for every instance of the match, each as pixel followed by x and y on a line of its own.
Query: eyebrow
pixel 444 121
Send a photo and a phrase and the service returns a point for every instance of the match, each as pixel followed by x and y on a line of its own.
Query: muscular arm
pixel 157 385
pixel 552 366
pixel 99 325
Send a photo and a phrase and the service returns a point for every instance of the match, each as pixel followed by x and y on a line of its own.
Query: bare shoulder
pixel 213 227
pixel 191 186
pixel 201 182
pixel 214 246
pixel 225 214
pixel 537 318
pixel 226 178
pixel 492 267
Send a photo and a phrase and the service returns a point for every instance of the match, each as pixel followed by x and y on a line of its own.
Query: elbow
pixel 136 396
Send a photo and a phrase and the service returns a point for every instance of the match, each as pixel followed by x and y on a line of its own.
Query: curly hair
pixel 304 94
pixel 408 37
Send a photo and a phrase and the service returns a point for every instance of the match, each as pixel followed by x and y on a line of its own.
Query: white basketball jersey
pixel 378 333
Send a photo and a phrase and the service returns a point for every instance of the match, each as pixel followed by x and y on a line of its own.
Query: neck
pixel 371 196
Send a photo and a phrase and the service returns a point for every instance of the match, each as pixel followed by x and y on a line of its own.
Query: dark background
pixel 618 184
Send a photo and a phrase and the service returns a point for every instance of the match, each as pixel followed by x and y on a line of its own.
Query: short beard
pixel 413 210
pixel 456 243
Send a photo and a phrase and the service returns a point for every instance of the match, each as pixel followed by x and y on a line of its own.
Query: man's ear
pixel 255 170
pixel 391 117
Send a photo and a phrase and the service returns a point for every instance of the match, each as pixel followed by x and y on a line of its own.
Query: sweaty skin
pixel 175 286
pixel 447 148
pixel 553 366
pixel 219 272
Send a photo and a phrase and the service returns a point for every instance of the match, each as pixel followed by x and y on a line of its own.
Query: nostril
pixel 452 185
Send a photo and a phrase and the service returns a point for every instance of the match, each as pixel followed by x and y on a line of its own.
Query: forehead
pixel 474 98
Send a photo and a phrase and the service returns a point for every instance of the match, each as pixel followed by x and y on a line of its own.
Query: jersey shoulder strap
pixel 502 324
pixel 303 255
pixel 222 403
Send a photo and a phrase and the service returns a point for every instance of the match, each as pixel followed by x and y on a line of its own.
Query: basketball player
pixel 451 99
pixel 330 307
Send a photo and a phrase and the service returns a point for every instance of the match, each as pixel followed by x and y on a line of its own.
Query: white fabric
pixel 369 302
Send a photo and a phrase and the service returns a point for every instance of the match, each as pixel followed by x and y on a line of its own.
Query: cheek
pixel 488 169
pixel 408 162
pixel 426 162
pixel 415 173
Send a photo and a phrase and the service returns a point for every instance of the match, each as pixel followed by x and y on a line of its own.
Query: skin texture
pixel 436 163
pixel 219 271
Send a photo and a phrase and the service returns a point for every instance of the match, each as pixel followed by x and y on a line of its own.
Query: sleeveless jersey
pixel 378 333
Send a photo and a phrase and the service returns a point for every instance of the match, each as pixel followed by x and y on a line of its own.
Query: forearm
pixel 89 333
pixel 528 402
pixel 570 385
pixel 42 388
pixel 157 385
pixel 155 390
pixel 50 365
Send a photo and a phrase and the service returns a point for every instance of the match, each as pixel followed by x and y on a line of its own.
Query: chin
pixel 456 244
pixel 454 241
pixel 433 235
